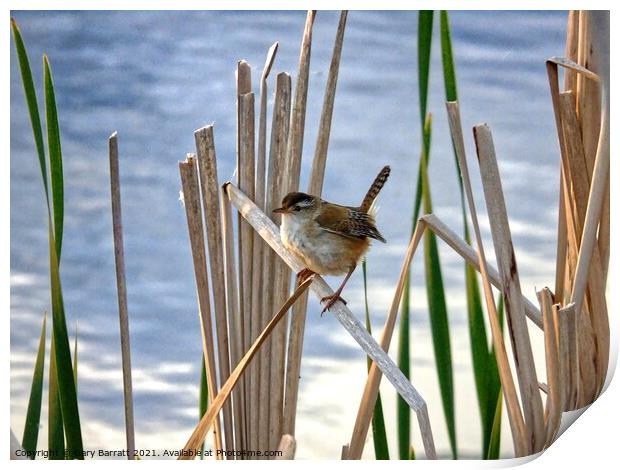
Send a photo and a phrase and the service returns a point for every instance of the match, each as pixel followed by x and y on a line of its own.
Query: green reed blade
pixel 55 153
pixel 75 359
pixel 494 386
pixel 66 382
pixel 379 435
pixel 438 311
pixel 31 100
pixel 55 433
pixel 62 360
pixel 33 415
pixel 203 397
pixel 403 410
pixel 425 36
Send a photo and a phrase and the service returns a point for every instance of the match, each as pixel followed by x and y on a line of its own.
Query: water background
pixel 155 77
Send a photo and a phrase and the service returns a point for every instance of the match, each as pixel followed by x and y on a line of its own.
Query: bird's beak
pixel 280 210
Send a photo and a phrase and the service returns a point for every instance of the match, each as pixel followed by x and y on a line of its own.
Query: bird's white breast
pixel 322 252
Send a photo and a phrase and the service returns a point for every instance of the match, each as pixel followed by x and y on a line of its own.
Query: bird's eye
pixel 296 208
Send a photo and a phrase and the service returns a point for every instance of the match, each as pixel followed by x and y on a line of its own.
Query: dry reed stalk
pixel 244 86
pixel 270 233
pixel 595 135
pixel 277 156
pixel 287 446
pixel 511 288
pixel 317 175
pixel 198 436
pixel 191 198
pixel 555 384
pixel 566 327
pixel 232 306
pixel 570 83
pixel 290 182
pixel 121 288
pixel 246 237
pixel 588 272
pixel 298 112
pixel 471 256
pixel 588 92
pixel 207 166
pixel 522 445
pixel 258 322
pixel 371 389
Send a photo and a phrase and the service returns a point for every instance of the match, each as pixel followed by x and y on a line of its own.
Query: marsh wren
pixel 329 238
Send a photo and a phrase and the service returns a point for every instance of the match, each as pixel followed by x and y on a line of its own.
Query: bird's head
pixel 297 204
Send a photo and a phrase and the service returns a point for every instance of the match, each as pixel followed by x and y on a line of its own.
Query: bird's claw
pixel 331 300
pixel 304 275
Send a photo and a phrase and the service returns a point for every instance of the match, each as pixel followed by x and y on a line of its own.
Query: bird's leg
pixel 303 275
pixel 332 299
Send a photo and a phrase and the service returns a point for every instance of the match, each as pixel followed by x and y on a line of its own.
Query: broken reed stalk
pixel 566 327
pixel 270 234
pixel 121 288
pixel 290 182
pixel 191 198
pixel 198 436
pixel 511 288
pixel 232 305
pixel 244 86
pixel 371 389
pixel 555 387
pixel 522 446
pixel 277 155
pixel 317 175
pixel 471 256
pixel 207 166
pixel 258 323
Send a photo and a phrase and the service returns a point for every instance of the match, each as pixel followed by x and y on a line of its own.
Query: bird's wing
pixel 348 222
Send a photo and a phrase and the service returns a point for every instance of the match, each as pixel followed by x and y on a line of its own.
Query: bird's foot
pixel 303 275
pixel 331 300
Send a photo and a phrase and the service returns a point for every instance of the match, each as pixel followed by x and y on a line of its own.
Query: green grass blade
pixel 438 310
pixel 494 386
pixel 425 39
pixel 412 453
pixel 75 358
pixel 31 100
pixel 55 433
pixel 33 415
pixel 403 411
pixel 66 382
pixel 379 435
pixel 425 36
pixel 447 58
pixel 494 442
pixel 203 398
pixel 55 153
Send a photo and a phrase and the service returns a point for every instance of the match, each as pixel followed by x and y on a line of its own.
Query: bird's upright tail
pixel 375 187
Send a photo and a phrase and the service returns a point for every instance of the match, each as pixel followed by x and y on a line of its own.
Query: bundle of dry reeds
pixel 260 414
pixel 574 318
